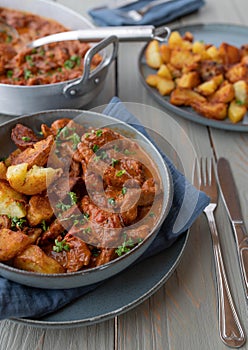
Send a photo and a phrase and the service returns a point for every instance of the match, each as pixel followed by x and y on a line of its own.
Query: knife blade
pixel 231 200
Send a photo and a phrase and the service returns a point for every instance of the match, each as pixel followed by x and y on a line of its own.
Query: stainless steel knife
pixel 232 204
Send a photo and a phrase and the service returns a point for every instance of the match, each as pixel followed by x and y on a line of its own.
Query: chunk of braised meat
pixel 99 137
pixel 209 69
pixel 36 155
pixel 75 257
pixel 23 136
pixel 105 256
pixel 61 224
pixel 55 127
pixel 126 169
pixel 65 184
pixel 7 53
pixel 5 221
pixel 106 225
pixel 148 192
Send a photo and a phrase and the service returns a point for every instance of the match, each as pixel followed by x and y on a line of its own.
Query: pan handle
pixel 90 79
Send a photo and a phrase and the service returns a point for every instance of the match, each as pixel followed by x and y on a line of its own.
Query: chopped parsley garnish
pixel 64 206
pixel 73 197
pixel 95 148
pixel 10 73
pixel 114 162
pixel 27 74
pixel 120 172
pixel 9 39
pixel 111 201
pixel 72 62
pixel 26 138
pixel 125 247
pixel 99 133
pixel 60 246
pixel 124 190
pixel 17 222
pixel 44 225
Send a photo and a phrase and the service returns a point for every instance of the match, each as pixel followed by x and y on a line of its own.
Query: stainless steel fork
pixel 137 15
pixel 230 328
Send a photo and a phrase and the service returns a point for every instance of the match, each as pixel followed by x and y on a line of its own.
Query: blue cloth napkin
pixel 158 15
pixel 21 301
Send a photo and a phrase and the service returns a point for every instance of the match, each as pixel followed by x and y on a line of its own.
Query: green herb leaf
pixel 111 201
pixel 99 133
pixel 27 74
pixel 95 148
pixel 60 246
pixel 125 247
pixel 120 173
pixel 26 138
pixel 124 190
pixel 17 222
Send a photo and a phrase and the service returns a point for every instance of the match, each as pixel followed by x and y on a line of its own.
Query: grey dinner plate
pixel 209 33
pixel 117 295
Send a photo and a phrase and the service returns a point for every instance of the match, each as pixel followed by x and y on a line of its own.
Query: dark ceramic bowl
pixel 96 274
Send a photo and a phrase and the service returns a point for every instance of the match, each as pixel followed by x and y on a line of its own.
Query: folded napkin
pixel 158 15
pixel 21 301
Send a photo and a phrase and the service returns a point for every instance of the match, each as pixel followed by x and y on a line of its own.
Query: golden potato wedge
pixel 38 209
pixel 165 52
pixel 3 171
pixel 32 181
pixel 181 58
pixel 175 40
pixel 12 243
pixel 152 80
pixel 237 72
pixel 211 110
pixel 241 92
pixel 188 80
pixel 230 54
pixel 34 259
pixel 164 72
pixel 185 97
pixel 165 86
pixel 152 54
pixel 207 88
pixel 224 94
pixel 236 112
pixel 12 203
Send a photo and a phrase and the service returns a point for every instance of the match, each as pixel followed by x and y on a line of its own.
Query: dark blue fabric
pixel 157 16
pixel 17 300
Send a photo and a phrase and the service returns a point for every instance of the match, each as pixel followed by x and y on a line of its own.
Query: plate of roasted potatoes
pixel 201 74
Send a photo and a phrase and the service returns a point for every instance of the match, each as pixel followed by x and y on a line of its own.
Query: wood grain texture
pixel 182 314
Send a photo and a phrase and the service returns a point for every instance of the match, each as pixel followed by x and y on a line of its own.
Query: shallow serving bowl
pixel 96 274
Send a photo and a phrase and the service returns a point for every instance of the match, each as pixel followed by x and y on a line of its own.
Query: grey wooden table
pixel 182 314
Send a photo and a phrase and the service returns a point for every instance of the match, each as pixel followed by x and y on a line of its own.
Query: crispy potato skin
pixel 32 181
pixel 12 243
pixel 34 259
pixel 12 203
pixel 38 209
pixel 206 77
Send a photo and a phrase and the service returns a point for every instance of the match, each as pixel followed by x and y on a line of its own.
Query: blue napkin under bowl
pixel 158 15
pixel 22 301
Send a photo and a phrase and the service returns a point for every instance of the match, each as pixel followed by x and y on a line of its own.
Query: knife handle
pixel 242 246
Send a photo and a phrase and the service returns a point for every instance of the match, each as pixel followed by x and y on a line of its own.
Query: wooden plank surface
pixel 182 314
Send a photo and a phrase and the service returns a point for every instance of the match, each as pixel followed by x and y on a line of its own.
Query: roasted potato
pixel 3 171
pixel 202 73
pixel 185 97
pixel 236 112
pixel 12 243
pixel 32 181
pixel 153 57
pixel 38 209
pixel 34 259
pixel 12 203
